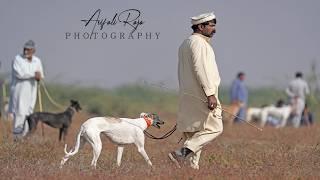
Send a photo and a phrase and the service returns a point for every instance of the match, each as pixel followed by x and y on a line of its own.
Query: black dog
pixel 60 120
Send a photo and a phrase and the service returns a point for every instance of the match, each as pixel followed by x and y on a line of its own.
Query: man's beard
pixel 209 35
pixel 26 55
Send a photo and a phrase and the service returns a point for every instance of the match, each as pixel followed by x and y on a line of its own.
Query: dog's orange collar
pixel 148 121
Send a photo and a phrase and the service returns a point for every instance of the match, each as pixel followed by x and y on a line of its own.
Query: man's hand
pixel 37 76
pixel 212 102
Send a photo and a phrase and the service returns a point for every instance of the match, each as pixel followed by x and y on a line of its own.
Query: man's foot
pixel 194 166
pixel 17 138
pixel 180 156
pixel 176 159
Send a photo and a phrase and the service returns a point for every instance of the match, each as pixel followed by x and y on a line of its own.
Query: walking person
pixel 199 81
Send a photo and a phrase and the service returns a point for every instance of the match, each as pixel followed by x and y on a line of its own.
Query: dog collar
pixel 74 109
pixel 148 121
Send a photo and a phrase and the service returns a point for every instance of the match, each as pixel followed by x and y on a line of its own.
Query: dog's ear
pixel 143 114
pixel 74 101
pixel 150 115
pixel 155 116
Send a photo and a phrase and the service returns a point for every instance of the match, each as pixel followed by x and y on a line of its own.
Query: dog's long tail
pixel 75 149
pixel 77 146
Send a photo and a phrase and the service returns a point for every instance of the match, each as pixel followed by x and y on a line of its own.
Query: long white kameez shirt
pixel 23 84
pixel 198 78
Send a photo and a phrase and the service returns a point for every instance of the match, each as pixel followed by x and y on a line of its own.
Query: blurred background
pixel 268 40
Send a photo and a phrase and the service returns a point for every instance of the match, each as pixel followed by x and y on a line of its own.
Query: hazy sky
pixel 267 39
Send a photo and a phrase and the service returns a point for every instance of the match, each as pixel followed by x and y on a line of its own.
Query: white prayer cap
pixel 202 18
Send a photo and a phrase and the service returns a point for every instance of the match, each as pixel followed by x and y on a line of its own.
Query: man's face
pixel 28 52
pixel 242 77
pixel 209 29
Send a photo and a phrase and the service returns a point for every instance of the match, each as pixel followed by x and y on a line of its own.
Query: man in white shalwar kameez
pixel 199 116
pixel 26 72
pixel 297 91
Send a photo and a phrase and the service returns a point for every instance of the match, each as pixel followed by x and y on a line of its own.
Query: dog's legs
pixel 96 153
pixel 283 122
pixel 96 144
pixel 143 153
pixel 140 145
pixel 65 132
pixel 60 133
pixel 264 115
pixel 32 124
pixel 248 116
pixel 119 156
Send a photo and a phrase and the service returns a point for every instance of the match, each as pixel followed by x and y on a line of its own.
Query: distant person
pixel 307 117
pixel 26 72
pixel 2 99
pixel 297 91
pixel 199 81
pixel 239 97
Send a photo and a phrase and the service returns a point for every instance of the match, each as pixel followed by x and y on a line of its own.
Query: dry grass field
pixel 240 152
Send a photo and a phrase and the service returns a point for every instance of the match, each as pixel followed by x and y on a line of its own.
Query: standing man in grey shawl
pixel 26 72
pixel 297 91
pixel 199 116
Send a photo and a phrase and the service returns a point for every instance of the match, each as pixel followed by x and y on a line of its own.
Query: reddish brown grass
pixel 240 152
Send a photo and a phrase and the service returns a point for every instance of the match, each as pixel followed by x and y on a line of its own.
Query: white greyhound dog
pixel 253 113
pixel 121 131
pixel 282 113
